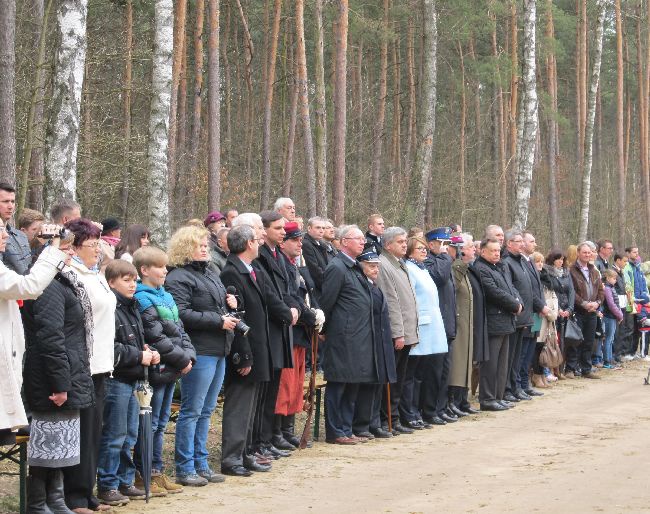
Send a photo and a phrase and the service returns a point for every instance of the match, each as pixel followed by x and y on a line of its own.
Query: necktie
pixel 253 275
pixel 275 254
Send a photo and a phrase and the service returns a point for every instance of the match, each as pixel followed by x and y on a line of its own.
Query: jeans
pixel 199 392
pixel 610 333
pixel 115 467
pixel 161 408
pixel 525 361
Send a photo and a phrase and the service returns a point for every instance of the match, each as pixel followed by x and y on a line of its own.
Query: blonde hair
pixel 149 256
pixel 183 243
pixel 536 257
pixel 571 256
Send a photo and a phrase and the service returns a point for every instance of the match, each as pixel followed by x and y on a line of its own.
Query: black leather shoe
pixel 414 425
pixel 470 410
pixel 506 404
pixel 291 439
pixel 282 444
pixel 236 471
pixel 265 452
pixel 277 452
pixel 533 392
pixel 402 429
pixel 511 398
pixel 381 433
pixel 446 417
pixel 424 424
pixel 521 395
pixel 367 435
pixel 493 405
pixel 453 408
pixel 451 414
pixel 436 420
pixel 253 465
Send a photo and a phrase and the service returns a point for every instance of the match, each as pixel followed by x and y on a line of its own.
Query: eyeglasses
pixel 91 245
pixel 360 238
pixel 421 248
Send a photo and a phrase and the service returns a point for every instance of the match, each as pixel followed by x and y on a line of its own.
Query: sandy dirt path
pixel 583 447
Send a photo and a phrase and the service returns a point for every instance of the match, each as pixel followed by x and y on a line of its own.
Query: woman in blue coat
pixel 427 357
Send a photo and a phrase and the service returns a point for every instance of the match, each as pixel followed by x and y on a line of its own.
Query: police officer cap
pixel 439 234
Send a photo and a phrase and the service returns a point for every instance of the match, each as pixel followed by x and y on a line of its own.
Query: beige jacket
pixel 396 285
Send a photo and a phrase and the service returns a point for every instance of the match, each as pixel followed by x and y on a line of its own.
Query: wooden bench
pixel 17 453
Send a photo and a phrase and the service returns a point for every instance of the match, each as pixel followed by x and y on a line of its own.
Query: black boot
pixel 36 491
pixel 288 430
pixel 278 439
pixel 55 493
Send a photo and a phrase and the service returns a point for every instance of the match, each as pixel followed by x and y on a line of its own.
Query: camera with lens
pixel 241 327
pixel 63 233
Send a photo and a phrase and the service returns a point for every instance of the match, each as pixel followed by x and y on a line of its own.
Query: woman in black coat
pixel 57 384
pixel 202 307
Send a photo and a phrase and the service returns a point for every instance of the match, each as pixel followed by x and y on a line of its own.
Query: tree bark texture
pixel 340 110
pixel 528 120
pixel 320 130
pixel 620 148
pixel 161 82
pixel 198 86
pixel 126 108
pixel 552 142
pixel 214 108
pixel 65 108
pixel 7 93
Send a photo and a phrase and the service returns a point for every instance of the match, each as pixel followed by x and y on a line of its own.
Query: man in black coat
pixel 270 259
pixel 375 233
pixel 349 347
pixel 502 304
pixel 521 279
pixel 249 364
pixel 314 251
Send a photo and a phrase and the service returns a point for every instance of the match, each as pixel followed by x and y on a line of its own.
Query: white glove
pixel 320 319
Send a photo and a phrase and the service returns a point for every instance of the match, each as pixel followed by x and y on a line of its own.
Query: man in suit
pixel 270 259
pixel 286 208
pixel 249 364
pixel 349 347
pixel 518 268
pixel 375 233
pixel 314 251
pixel 396 285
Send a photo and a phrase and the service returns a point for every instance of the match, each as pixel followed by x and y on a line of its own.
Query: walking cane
pixel 390 414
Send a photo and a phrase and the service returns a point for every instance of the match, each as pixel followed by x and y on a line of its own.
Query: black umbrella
pixel 144 393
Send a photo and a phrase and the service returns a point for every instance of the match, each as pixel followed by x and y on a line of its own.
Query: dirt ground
pixel 583 447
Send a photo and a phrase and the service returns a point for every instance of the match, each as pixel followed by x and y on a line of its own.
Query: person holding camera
pixel 202 307
pixel 250 365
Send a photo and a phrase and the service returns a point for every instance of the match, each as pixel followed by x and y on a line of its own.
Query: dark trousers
pixel 537 368
pixel 578 358
pixel 494 372
pixel 267 419
pixel 401 363
pixel 433 390
pixel 514 355
pixel 340 400
pixel 79 480
pixel 366 409
pixel 525 361
pixel 238 416
pixel 409 401
pixel 458 395
pixel 624 340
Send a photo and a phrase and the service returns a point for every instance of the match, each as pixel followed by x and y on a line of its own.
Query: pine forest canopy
pixel 431 111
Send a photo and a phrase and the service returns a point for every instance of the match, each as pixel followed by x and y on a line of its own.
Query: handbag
pixel 551 356
pixel 572 333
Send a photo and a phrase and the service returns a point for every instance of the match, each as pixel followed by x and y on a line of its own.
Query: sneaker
pixel 163 481
pixel 608 366
pixel 551 378
pixel 211 476
pixel 112 497
pixel 627 358
pixel 154 489
pixel 191 480
pixel 133 493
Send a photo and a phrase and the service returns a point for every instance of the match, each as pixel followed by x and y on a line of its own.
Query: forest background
pixel 533 113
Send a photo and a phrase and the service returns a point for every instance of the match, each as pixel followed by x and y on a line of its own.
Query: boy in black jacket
pixel 115 470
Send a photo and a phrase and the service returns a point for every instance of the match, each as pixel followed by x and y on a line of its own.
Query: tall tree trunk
pixel 198 87
pixel 552 130
pixel 161 82
pixel 378 135
pixel 463 120
pixel 620 149
pixel 214 108
pixel 181 132
pixel 177 64
pixel 228 85
pixel 31 179
pixel 126 108
pixel 340 110
pixel 514 91
pixel 500 128
pixel 321 115
pixel 424 155
pixel 268 105
pixel 642 117
pixel 250 50
pixel 412 128
pixel 589 128
pixel 396 168
pixel 291 135
pixel 7 93
pixel 303 101
pixel 63 133
pixel 528 121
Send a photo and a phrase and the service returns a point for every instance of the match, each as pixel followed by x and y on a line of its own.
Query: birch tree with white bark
pixel 65 109
pixel 161 85
pixel 528 118
pixel 591 115
pixel 424 154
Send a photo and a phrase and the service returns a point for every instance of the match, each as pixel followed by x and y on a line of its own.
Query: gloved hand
pixel 320 319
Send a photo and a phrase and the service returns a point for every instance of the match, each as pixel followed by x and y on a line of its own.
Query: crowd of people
pixel 410 323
